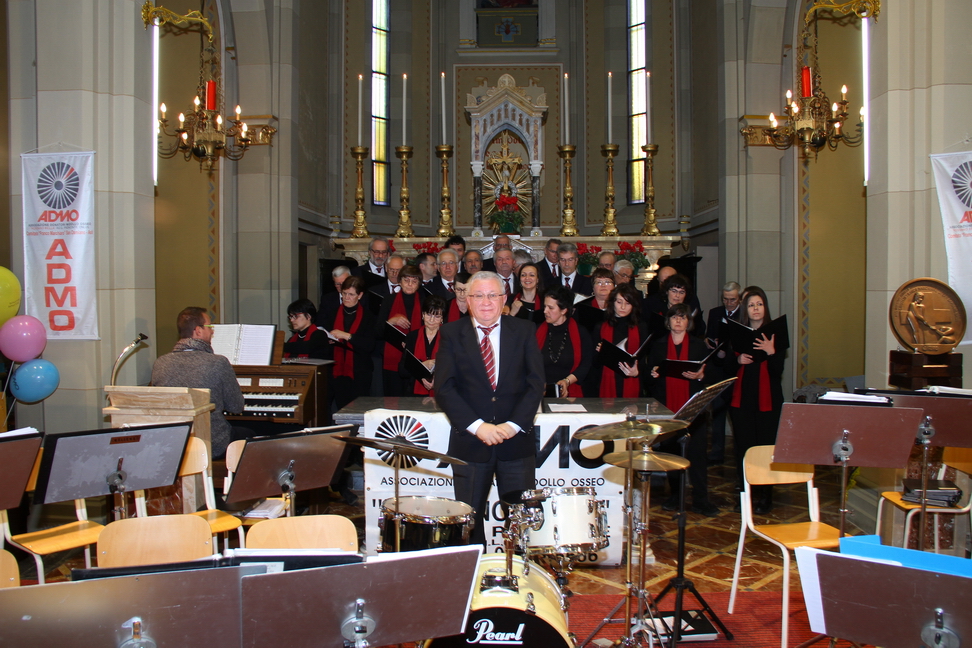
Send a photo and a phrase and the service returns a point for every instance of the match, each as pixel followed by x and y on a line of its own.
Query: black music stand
pixel 191 609
pixel 90 463
pixel 269 465
pixel 945 424
pixel 824 435
pixel 390 599
pixel 891 605
pixel 18 452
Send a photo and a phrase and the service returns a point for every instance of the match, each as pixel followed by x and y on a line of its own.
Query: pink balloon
pixel 22 338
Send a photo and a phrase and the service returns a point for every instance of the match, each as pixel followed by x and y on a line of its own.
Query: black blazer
pixel 716 318
pixel 581 284
pixel 439 289
pixel 545 274
pixel 463 392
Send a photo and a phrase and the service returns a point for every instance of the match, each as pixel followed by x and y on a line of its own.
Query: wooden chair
pixel 958 458
pixel 154 540
pixel 9 571
pixel 73 535
pixel 196 462
pixel 304 532
pixel 759 469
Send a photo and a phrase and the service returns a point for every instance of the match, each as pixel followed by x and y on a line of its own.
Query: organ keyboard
pixel 294 394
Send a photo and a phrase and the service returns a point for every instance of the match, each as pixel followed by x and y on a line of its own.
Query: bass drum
pixel 532 614
pixel 425 523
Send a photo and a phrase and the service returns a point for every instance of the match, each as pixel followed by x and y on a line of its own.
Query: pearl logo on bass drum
pixel 486 635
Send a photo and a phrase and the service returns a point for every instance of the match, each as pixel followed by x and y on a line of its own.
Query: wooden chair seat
pixel 895 497
pixel 60 538
pixel 304 532
pixel 802 534
pixel 9 570
pixel 219 521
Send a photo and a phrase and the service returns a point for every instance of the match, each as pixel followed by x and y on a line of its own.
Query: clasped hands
pixel 494 434
pixel 766 345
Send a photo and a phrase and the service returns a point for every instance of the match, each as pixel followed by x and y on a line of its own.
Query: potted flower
pixel 587 258
pixel 506 217
pixel 633 252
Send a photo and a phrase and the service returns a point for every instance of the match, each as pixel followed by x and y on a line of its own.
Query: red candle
pixel 210 95
pixel 806 86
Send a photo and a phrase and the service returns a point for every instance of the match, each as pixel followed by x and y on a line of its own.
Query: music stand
pixel 823 435
pixel 865 601
pixel 17 456
pixel 945 424
pixel 269 465
pixel 90 463
pixel 192 609
pixel 390 599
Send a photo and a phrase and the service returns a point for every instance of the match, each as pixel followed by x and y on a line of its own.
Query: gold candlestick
pixel 569 227
pixel 444 152
pixel 610 227
pixel 650 228
pixel 360 229
pixel 404 230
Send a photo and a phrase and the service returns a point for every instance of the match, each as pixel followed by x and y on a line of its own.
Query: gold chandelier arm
pixel 150 14
pixel 862 8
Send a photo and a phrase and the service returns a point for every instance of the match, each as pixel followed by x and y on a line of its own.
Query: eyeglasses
pixel 209 326
pixel 676 291
pixel 410 280
pixel 623 275
pixel 491 297
pixel 433 316
pixel 378 252
pixel 447 263
pixel 460 291
pixel 604 282
pixel 295 316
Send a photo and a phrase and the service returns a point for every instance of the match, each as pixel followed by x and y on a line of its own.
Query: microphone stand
pixel 124 354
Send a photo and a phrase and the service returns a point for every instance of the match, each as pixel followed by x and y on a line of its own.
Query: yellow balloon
pixel 9 295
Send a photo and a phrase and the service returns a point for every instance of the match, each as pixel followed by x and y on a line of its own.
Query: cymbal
pixel 632 430
pixel 647 461
pixel 399 447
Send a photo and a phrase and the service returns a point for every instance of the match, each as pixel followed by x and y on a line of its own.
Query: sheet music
pixel 19 432
pixel 246 344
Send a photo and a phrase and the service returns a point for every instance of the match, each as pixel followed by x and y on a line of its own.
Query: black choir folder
pixel 612 355
pixel 675 368
pixel 742 337
pixel 395 336
pixel 415 367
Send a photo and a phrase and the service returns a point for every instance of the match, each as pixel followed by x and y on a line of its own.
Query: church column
pixel 918 83
pixel 80 73
pixel 477 170
pixel 535 169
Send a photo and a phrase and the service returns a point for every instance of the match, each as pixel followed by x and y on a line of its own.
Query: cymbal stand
pixel 635 623
pixel 680 583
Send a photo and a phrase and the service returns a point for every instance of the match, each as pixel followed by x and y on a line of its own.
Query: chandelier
pixel 810 120
pixel 204 134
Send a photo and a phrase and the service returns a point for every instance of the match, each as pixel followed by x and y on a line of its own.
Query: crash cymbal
pixel 647 461
pixel 401 447
pixel 632 429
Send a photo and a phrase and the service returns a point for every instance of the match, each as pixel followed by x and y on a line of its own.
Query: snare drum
pixel 533 612
pixel 574 521
pixel 425 523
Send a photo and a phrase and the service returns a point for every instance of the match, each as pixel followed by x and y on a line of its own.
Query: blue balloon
pixel 34 381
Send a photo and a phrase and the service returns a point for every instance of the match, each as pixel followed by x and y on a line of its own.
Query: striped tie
pixel 486 348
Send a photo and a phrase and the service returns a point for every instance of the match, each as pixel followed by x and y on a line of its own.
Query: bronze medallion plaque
pixel 927 316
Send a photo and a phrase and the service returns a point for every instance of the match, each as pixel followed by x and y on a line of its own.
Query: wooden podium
pixel 147 405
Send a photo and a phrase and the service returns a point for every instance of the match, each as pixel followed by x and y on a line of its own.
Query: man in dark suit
pixel 331 302
pixel 444 285
pixel 550 266
pixel 504 268
pixel 716 372
pixel 373 272
pixel 569 277
pixel 489 382
pixel 501 242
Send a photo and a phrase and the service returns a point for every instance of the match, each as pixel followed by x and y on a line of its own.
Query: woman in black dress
pixel 621 324
pixel 424 345
pixel 565 346
pixel 354 328
pixel 528 302
pixel 403 311
pixel 308 341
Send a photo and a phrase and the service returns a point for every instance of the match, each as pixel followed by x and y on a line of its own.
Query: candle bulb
pixel 862 114
pixel 162 109
pixel 772 120
pixel 610 137
pixel 648 108
pixel 566 111
pixel 834 109
pixel 182 120
pixel 219 120
pixel 238 111
pixel 843 93
pixel 404 94
pixel 360 104
pixel 195 102
pixel 442 89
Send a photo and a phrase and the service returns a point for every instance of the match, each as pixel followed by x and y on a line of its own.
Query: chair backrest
pixel 9 571
pixel 759 468
pixel 958 458
pixel 304 532
pixel 233 453
pixel 154 540
pixel 32 480
pixel 196 458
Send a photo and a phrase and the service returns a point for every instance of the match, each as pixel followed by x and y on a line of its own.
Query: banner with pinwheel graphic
pixel 60 280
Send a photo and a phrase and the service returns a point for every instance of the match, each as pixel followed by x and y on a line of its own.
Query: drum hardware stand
pixel 680 583
pixel 925 434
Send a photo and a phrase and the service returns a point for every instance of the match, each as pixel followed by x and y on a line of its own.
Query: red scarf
pixel 765 394
pixel 574 389
pixel 676 389
pixel 630 386
pixel 537 303
pixel 343 356
pixel 309 331
pixel 393 355
pixel 454 312
pixel 423 353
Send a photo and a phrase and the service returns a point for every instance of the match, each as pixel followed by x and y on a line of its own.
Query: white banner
pixel 562 462
pixel 953 177
pixel 60 280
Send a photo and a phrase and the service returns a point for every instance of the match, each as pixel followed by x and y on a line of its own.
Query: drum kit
pixel 515 602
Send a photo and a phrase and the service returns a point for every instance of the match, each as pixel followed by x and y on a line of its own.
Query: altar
pixel 563 462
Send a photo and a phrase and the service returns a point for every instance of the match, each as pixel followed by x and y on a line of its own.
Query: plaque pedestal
pixel 919 370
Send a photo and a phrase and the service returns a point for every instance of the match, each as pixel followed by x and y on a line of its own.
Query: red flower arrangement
pixel 587 253
pixel 507 203
pixel 429 246
pixel 633 252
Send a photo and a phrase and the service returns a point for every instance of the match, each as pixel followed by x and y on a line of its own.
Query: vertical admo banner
pixel 953 178
pixel 59 243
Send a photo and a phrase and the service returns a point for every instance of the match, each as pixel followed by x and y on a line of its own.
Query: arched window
pixel 637 98
pixel 379 101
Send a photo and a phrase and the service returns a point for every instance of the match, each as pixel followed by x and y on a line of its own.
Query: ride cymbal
pixel 400 447
pixel 633 429
pixel 647 461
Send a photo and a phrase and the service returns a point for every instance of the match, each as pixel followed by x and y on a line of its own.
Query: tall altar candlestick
pixel 648 108
pixel 404 94
pixel 610 138
pixel 566 111
pixel 360 106
pixel 442 86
